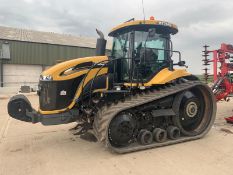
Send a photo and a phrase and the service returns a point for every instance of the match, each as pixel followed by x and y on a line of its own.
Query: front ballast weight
pixel 19 107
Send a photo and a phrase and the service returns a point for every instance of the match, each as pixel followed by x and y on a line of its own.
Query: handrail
pixel 109 61
pixel 84 79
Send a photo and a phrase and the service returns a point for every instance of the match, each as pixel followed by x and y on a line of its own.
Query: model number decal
pixel 165 23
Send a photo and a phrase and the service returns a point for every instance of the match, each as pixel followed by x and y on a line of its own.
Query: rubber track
pixel 107 113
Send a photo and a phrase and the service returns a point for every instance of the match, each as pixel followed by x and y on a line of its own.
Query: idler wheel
pixel 122 129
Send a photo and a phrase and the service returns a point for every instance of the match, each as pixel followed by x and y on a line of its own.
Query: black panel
pixel 55 95
pixel 84 65
pixel 98 83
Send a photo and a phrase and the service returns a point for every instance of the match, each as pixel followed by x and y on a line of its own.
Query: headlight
pixel 46 77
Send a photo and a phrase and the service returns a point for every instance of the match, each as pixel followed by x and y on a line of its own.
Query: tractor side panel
pixel 165 76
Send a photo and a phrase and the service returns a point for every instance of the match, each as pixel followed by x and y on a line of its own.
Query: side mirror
pixel 181 63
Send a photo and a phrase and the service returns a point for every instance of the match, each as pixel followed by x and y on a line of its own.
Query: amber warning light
pixel 152 18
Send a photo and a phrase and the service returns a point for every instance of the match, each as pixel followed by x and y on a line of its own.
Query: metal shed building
pixel 25 53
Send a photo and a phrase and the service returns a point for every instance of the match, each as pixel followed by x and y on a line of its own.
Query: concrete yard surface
pixel 53 150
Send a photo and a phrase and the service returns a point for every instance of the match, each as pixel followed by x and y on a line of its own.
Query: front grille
pixel 55 95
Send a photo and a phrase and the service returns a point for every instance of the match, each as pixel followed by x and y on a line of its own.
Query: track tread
pixel 106 114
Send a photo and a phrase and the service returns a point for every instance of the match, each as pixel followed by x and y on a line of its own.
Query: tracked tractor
pixel 134 99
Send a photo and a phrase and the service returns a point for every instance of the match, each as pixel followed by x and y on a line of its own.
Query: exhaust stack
pixel 101 44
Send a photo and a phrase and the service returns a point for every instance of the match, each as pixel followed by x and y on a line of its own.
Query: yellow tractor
pixel 132 100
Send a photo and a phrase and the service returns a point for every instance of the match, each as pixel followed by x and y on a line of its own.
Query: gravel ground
pixel 35 149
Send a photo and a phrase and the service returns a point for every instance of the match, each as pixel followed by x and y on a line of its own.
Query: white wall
pixel 15 75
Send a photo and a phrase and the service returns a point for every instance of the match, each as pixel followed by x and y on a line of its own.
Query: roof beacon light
pixel 152 18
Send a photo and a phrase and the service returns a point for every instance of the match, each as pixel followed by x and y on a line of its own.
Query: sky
pixel 200 22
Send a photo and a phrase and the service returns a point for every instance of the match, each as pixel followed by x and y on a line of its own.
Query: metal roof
pixel 17 34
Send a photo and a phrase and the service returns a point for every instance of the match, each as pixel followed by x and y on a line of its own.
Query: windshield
pixel 149 49
pixel 154 44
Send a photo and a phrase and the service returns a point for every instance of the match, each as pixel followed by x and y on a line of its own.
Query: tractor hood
pixel 70 69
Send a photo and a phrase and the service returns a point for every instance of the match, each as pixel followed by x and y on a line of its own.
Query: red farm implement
pixel 222 61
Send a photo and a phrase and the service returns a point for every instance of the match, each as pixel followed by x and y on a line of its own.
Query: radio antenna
pixel 143 11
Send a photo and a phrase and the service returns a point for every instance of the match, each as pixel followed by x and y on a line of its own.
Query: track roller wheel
pixel 159 135
pixel 145 137
pixel 173 132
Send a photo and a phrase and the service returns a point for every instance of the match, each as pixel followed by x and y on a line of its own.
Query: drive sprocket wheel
pixel 194 111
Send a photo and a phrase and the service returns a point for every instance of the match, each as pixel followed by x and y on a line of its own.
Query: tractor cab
pixel 141 49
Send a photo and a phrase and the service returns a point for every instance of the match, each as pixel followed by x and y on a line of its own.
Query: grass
pixel 201 77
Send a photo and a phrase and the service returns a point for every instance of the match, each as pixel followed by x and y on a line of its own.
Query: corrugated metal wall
pixel 43 54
